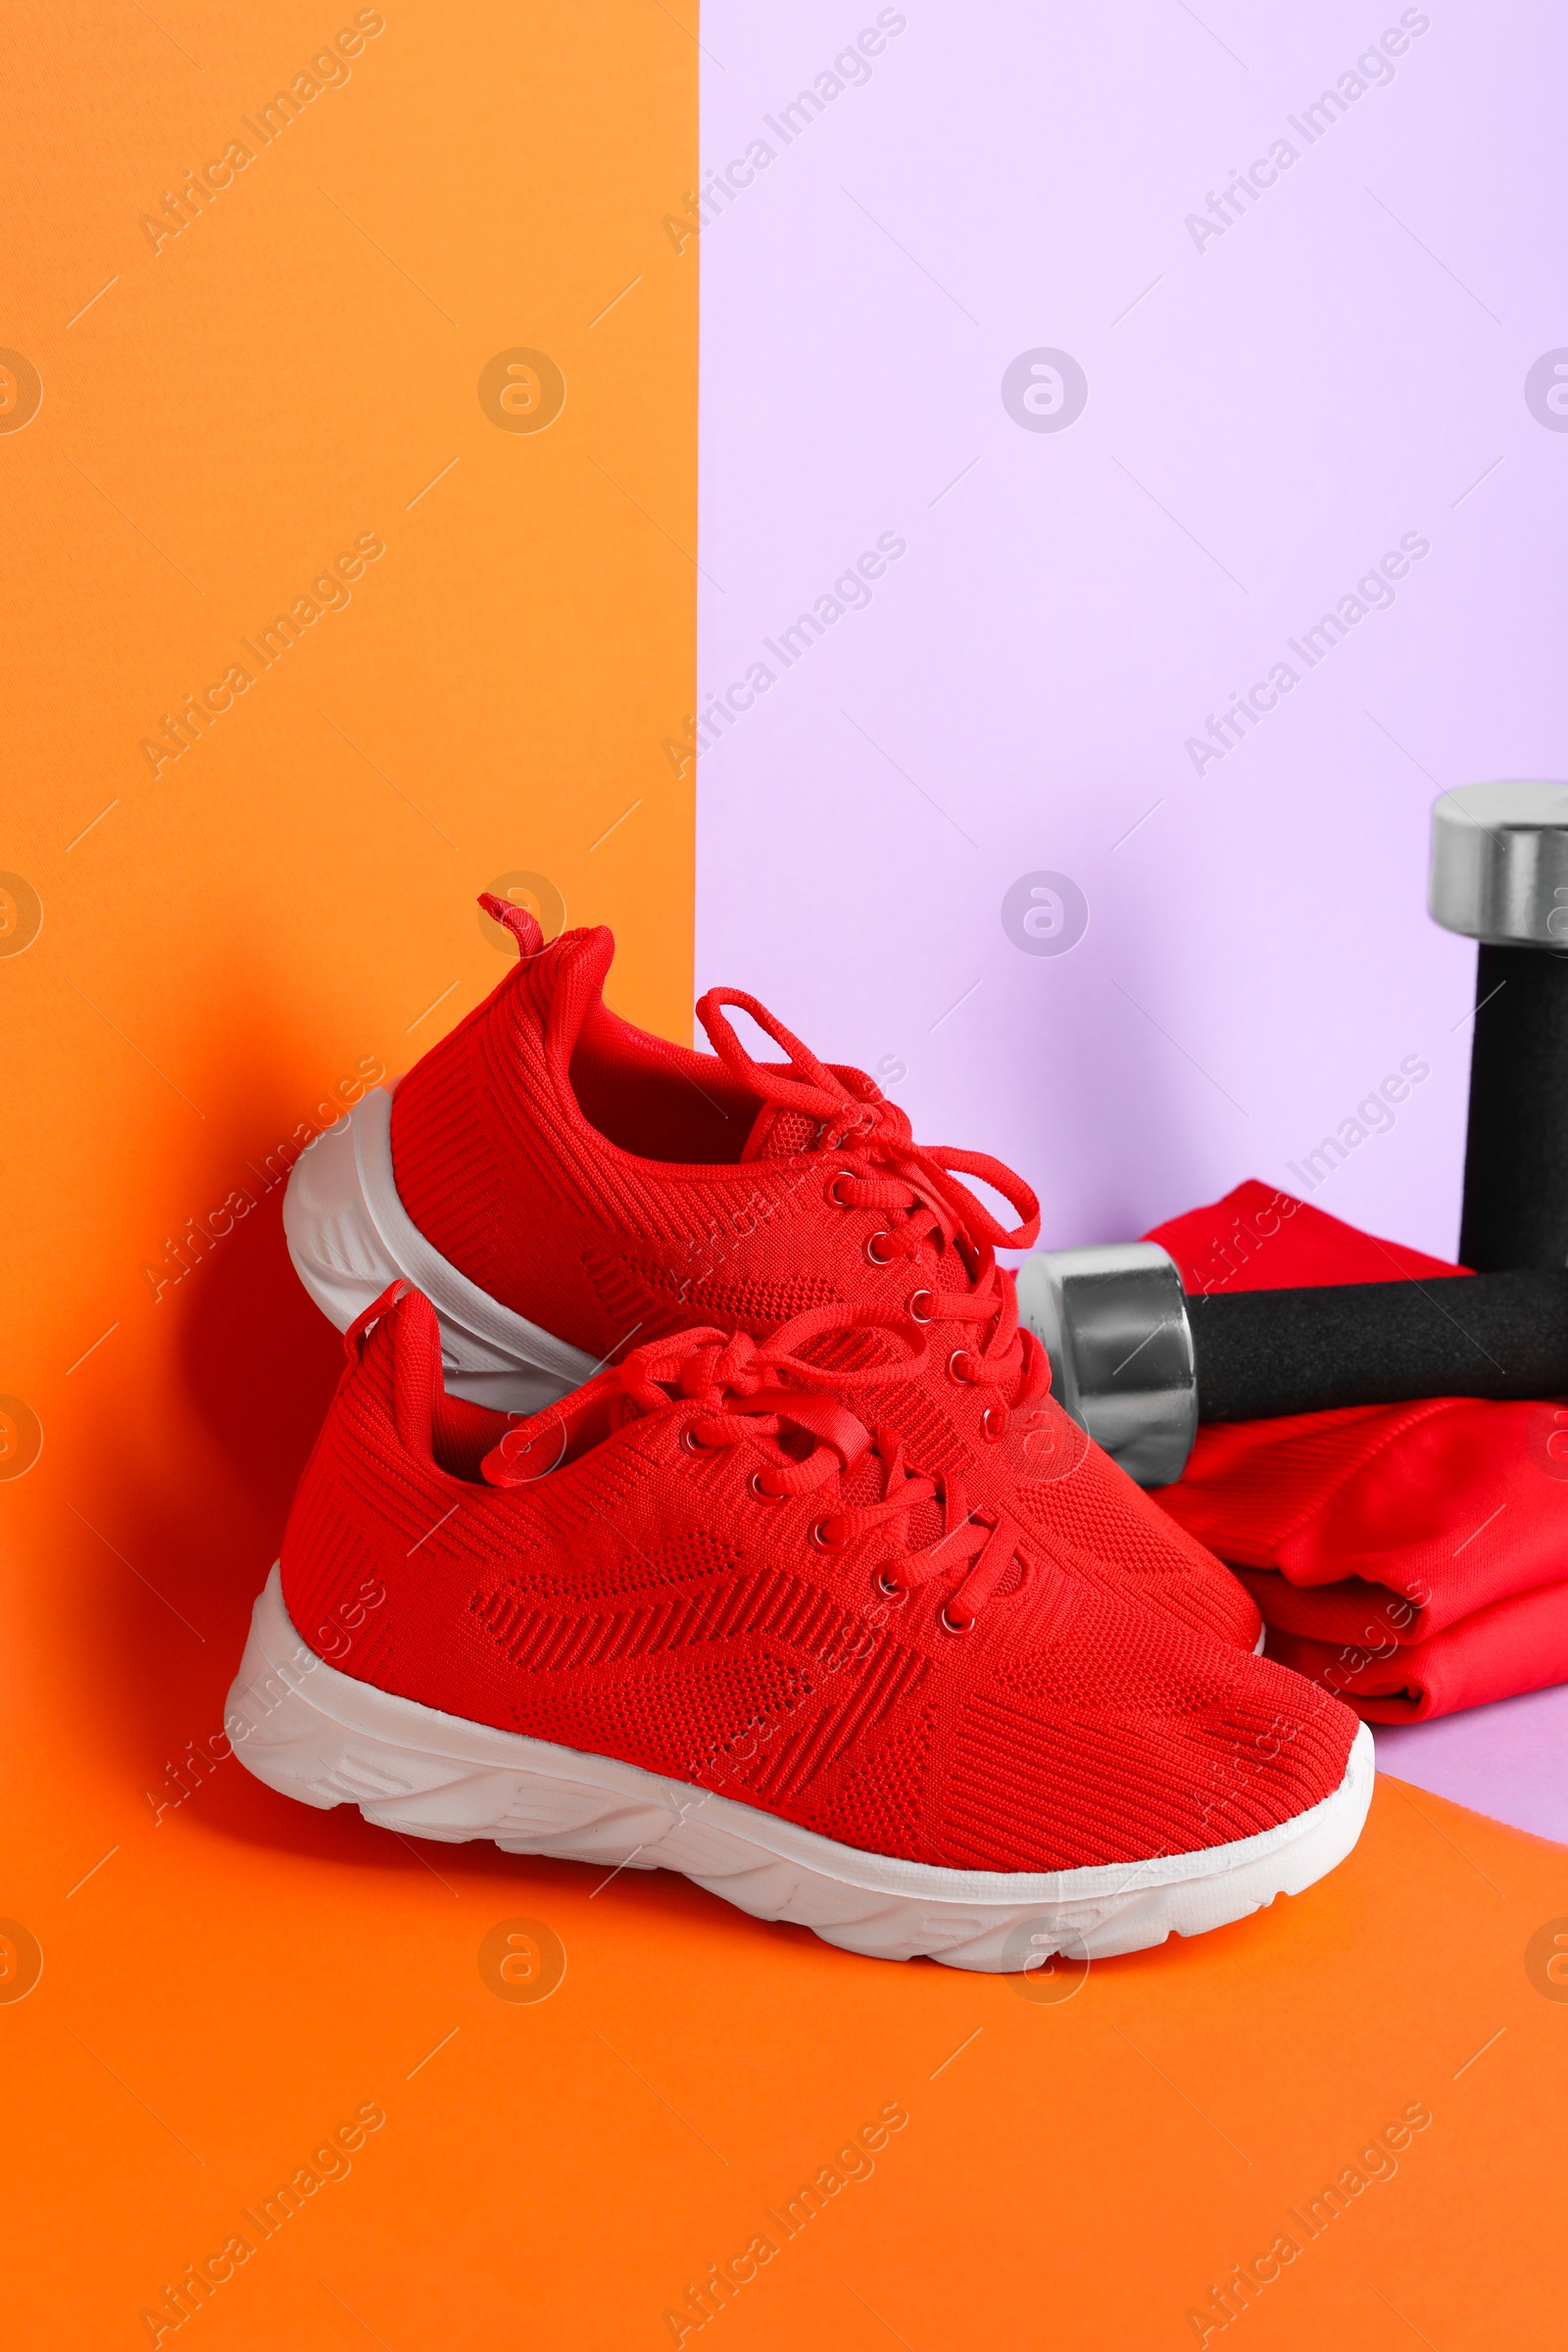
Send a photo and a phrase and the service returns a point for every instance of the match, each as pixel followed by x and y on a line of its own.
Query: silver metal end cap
pixel 1113 1321
pixel 1499 864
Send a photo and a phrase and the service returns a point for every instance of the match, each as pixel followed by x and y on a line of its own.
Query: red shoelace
pixel 934 1220
pixel 730 1391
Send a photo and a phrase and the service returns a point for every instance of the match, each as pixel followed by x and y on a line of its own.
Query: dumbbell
pixel 1140 1363
pixel 1499 876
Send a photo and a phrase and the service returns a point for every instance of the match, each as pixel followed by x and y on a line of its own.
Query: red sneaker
pixel 699 1616
pixel 561 1185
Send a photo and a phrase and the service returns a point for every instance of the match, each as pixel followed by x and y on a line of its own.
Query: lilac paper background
pixel 1265 418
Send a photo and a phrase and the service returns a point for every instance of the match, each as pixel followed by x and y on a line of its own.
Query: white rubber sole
pixel 349 1236
pixel 311 1733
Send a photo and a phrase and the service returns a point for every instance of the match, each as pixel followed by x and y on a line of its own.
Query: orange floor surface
pixel 418 378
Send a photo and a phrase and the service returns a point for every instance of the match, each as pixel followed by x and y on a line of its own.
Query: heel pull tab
pixel 523 926
pixel 359 1331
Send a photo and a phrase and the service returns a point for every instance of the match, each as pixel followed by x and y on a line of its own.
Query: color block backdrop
pixel 1150 334
pixel 348 424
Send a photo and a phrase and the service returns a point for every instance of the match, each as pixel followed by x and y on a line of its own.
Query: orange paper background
pixel 227 1978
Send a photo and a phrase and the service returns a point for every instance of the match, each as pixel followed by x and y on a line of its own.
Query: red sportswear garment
pixel 1411 1558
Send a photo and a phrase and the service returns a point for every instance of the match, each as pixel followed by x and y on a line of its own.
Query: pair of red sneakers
pixel 693 1499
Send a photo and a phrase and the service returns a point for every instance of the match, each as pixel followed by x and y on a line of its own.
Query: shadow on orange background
pixel 221 947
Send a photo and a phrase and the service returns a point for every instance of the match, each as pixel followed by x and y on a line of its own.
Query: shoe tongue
pixel 863 1482
pixel 779 1132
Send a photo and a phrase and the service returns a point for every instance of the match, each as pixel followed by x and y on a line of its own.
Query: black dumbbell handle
pixel 1516 1151
pixel 1261 1354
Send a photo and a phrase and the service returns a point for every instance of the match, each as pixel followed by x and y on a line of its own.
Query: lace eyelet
pixel 912 1307
pixel 959 1355
pixel 762 1493
pixel 873 1255
pixel 830 1190
pixel 994 1424
pixel 948 1627
pixel 823 1541
pixel 693 1442
pixel 896 1593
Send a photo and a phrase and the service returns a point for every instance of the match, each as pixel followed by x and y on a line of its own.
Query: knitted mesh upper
pixel 607 1186
pixel 641 1601
pixel 1108 1529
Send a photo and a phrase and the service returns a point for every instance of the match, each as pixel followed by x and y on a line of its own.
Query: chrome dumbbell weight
pixel 1499 876
pixel 1140 1363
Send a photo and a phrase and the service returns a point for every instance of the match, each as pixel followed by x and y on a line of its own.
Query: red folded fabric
pixel 1519 1644
pixel 1413 1557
